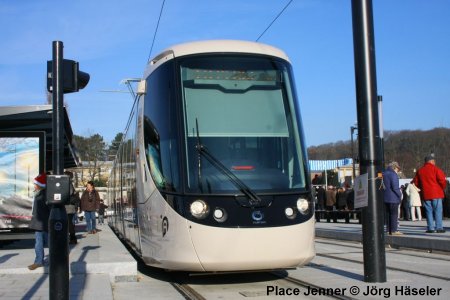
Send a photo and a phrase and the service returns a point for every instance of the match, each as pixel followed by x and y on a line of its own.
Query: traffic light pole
pixel 58 226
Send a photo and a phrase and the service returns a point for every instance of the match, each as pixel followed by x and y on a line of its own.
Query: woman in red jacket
pixel 431 181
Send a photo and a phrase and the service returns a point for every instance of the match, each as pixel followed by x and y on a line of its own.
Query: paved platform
pixel 414 235
pixel 96 263
pixel 102 268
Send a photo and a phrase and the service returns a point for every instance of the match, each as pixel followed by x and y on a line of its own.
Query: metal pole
pixel 369 141
pixel 353 154
pixel 380 119
pixel 57 223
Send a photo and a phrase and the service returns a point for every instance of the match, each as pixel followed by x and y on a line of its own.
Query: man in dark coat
pixel 90 201
pixel 392 197
pixel 71 209
pixel 321 197
pixel 39 220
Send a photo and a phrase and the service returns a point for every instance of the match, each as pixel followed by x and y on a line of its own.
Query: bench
pixel 337 214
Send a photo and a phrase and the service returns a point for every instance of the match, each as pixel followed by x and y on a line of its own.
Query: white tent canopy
pixel 323 165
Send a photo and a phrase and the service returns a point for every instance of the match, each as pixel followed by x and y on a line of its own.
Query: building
pixel 82 173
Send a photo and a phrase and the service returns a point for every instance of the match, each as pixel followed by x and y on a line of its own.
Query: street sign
pixel 361 191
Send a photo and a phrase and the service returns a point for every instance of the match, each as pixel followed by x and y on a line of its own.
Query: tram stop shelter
pixel 26 150
pixel 38 118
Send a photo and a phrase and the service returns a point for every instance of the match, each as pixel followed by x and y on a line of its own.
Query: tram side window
pixel 160 128
pixel 153 153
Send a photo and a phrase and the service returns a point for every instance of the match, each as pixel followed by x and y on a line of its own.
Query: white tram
pixel 212 171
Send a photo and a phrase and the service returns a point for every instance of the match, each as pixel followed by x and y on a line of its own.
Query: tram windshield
pixel 243 111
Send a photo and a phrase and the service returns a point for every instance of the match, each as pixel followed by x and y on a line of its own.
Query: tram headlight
pixel 289 212
pixel 199 209
pixel 220 215
pixel 303 206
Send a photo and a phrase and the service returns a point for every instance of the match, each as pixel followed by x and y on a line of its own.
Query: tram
pixel 212 172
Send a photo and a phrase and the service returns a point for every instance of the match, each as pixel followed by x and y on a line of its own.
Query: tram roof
pixel 214 46
pixel 38 118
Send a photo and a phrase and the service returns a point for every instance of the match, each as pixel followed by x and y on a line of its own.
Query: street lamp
pixel 352 129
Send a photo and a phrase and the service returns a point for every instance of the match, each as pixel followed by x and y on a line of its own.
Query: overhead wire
pixel 156 30
pixel 274 20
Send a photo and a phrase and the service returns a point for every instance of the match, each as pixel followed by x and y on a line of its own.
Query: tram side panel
pixel 123 187
pixel 130 213
pixel 164 236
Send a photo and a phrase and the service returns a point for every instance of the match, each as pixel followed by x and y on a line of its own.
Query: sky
pixel 112 40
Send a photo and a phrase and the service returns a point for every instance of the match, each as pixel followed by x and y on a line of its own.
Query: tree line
pixel 94 152
pixel 407 147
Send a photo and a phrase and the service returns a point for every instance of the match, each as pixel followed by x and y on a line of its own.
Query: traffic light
pixel 73 79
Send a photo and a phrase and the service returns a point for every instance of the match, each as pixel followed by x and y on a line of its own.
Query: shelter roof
pixel 39 118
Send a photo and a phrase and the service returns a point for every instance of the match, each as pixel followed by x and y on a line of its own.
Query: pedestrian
pixel 39 220
pixel 316 180
pixel 392 197
pixel 330 202
pixel 432 183
pixel 405 207
pixel 71 209
pixel 341 199
pixel 90 201
pixel 446 204
pixel 351 198
pixel 75 216
pixel 101 212
pixel 414 201
pixel 330 198
pixel 321 197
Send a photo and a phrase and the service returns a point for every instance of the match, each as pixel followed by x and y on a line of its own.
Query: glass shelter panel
pixel 20 159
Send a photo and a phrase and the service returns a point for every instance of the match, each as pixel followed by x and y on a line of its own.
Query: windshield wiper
pixel 254 199
pixel 199 164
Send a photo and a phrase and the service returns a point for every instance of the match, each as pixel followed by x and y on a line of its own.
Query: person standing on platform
pixel 392 197
pixel 330 198
pixel 432 183
pixel 405 207
pixel 101 212
pixel 90 201
pixel 446 204
pixel 414 201
pixel 71 209
pixel 330 202
pixel 341 199
pixel 39 220
pixel 321 197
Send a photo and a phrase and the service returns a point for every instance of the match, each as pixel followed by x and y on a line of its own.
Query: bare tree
pixel 92 153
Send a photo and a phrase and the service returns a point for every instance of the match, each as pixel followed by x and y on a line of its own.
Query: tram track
pixel 305 284
pixel 387 267
pixel 255 289
pixel 256 285
pixel 187 291
pixel 442 257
